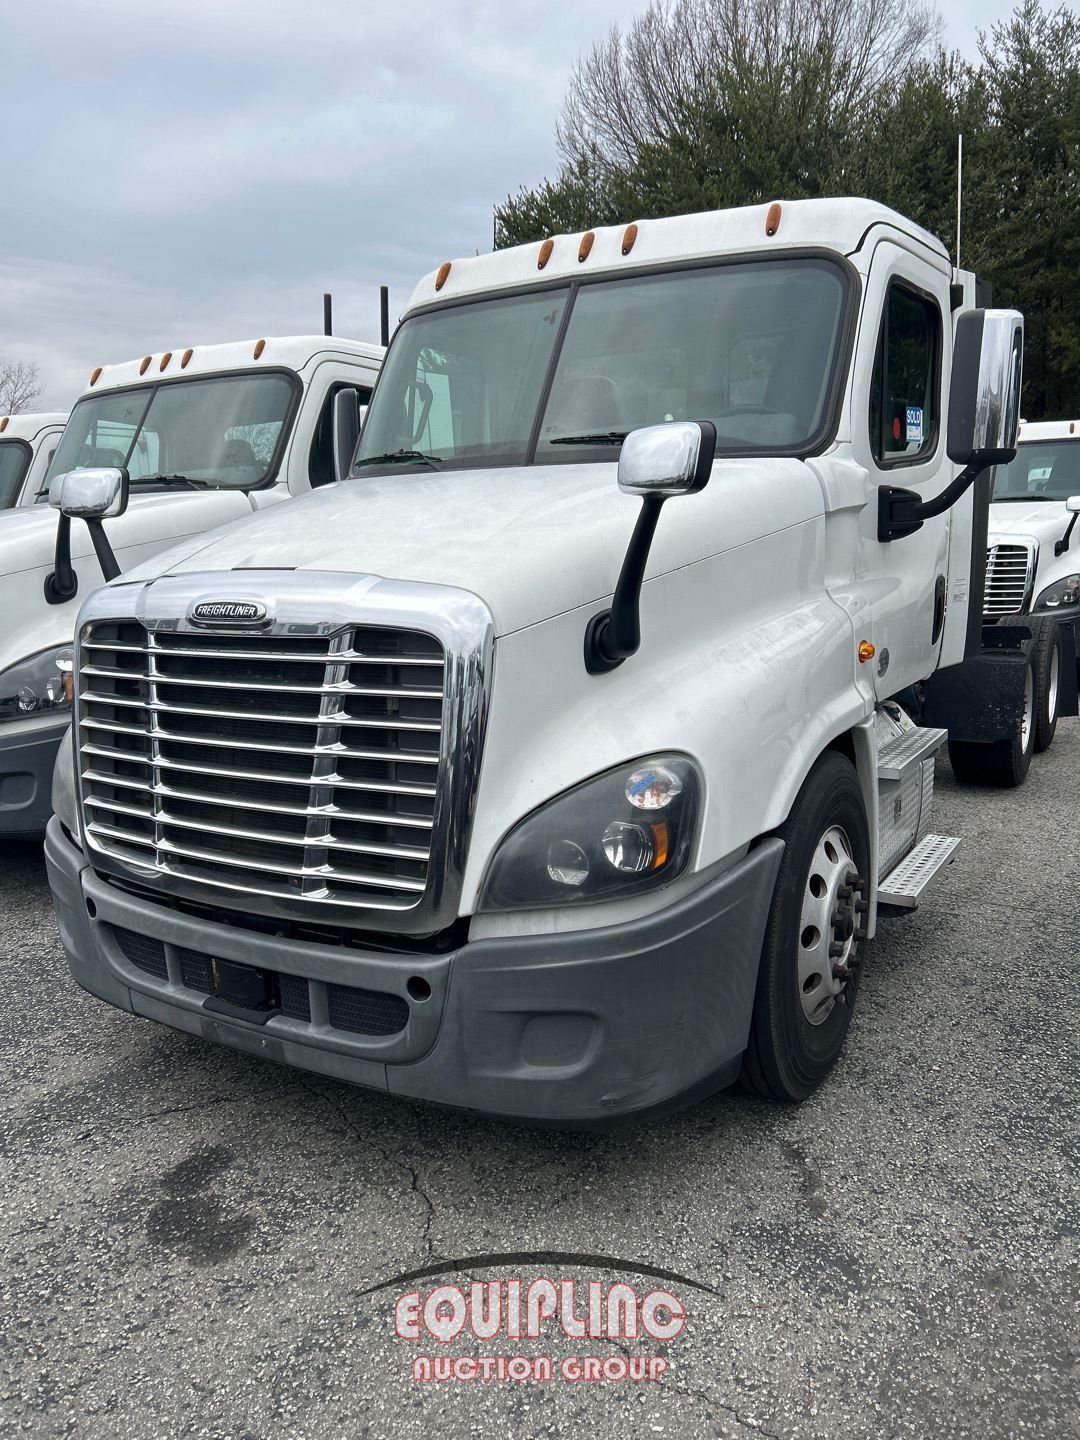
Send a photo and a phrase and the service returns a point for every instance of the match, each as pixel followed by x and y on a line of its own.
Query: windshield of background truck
pixel 1042 470
pixel 222 432
pixel 563 374
pixel 14 463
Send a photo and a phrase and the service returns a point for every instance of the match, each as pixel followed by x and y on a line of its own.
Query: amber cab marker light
pixel 1072 427
pixel 145 365
pixel 772 220
pixel 260 346
pixel 95 377
pixel 629 236
pixel 187 356
pixel 444 271
pixel 866 651
pixel 545 254
pixel 585 246
pixel 660 840
pixel 165 359
pixel 3 422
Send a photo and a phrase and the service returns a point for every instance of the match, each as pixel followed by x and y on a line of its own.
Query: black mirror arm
pixel 1063 544
pixel 902 512
pixel 63 583
pixel 613 635
pixel 106 556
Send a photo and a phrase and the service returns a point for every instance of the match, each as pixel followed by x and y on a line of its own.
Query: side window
pixel 906 385
pixel 321 458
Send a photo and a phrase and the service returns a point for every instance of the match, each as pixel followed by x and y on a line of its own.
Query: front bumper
pixel 583 1028
pixel 26 770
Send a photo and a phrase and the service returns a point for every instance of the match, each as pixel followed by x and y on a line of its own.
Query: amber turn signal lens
pixel 866 651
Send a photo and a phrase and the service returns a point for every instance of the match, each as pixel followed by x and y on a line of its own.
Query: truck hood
pixel 1042 520
pixel 531 543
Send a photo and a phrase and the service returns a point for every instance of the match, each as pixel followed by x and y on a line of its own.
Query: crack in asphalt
pixel 703 1395
pixel 131 1122
pixel 400 1160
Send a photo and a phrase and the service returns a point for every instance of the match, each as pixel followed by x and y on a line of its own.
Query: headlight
pixel 622 833
pixel 38 686
pixel 1062 592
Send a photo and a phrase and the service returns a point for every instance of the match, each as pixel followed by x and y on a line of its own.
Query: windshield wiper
pixel 172 480
pixel 1016 499
pixel 398 457
pixel 609 437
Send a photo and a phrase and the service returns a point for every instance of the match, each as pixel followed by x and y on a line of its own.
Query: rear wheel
pixel 1004 762
pixel 1047 684
pixel 809 972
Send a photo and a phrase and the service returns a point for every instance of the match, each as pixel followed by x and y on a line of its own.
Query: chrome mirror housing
pixel 667 460
pixel 984 398
pixel 91 494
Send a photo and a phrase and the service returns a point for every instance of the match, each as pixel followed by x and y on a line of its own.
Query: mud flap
pixel 982 699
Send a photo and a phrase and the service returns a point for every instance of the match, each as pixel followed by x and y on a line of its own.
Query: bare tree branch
pixel 20 386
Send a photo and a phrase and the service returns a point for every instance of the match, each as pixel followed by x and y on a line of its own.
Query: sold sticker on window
pixel 914 425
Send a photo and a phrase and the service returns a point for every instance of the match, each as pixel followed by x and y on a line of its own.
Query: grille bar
pixel 365 722
pixel 345 657
pixel 339 782
pixel 337 748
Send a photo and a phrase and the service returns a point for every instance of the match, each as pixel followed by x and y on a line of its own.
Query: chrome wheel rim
pixel 1029 708
pixel 1053 684
pixel 831 926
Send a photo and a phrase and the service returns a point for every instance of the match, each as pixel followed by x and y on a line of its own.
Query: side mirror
pixel 91 494
pixel 656 463
pixel 984 397
pixel 345 416
pixel 1072 505
pixel 667 460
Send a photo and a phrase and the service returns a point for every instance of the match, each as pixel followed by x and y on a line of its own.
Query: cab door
pixel 898 435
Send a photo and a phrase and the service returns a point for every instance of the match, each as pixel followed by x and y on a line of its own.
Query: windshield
pixel 563 374
pixel 223 432
pixel 1042 470
pixel 14 463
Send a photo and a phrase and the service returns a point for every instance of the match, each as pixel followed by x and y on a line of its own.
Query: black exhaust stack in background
pixel 327 315
pixel 384 314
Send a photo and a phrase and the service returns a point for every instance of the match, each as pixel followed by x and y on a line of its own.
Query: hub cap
pixel 831 926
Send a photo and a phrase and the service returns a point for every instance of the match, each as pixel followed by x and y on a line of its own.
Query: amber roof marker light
pixel 629 236
pixel 772 220
pixel 145 365
pixel 545 254
pixel 95 377
pixel 443 275
pixel 165 359
pixel 260 346
pixel 585 246
pixel 3 423
pixel 187 356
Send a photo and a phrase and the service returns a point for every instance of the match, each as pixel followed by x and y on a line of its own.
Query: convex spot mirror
pixel 667 460
pixel 91 494
pixel 984 397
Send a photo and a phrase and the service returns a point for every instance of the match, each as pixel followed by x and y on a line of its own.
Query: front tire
pixel 1005 762
pixel 813 950
pixel 1047 684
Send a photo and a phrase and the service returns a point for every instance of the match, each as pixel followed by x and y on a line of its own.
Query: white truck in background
pixel 484 779
pixel 204 436
pixel 1033 556
pixel 27 442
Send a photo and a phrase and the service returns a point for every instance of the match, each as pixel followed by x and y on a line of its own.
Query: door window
pixel 321 459
pixel 906 385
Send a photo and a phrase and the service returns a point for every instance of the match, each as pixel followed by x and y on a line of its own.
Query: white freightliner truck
pixel 1033 555
pixel 483 779
pixel 205 435
pixel 27 442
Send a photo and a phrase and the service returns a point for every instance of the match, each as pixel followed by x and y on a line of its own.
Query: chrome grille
pixel 306 769
pixel 1009 573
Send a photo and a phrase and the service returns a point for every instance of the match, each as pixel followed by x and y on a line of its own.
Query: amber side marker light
pixel 440 279
pixel 585 246
pixel 165 359
pixel 145 365
pixel 866 651
pixel 772 220
pixel 660 840
pixel 545 254
pixel 629 236
pixel 95 377
pixel 187 356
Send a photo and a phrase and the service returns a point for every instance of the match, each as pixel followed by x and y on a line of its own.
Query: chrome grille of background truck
pixel 309 774
pixel 1010 570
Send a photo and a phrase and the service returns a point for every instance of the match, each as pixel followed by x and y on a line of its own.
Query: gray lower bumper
pixel 26 768
pixel 581 1028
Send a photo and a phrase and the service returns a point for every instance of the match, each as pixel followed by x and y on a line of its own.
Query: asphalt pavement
pixel 190 1238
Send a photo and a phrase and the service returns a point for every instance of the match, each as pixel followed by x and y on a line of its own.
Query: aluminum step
pixel 907 749
pixel 918 870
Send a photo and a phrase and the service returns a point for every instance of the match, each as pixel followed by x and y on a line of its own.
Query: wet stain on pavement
pixel 191 1221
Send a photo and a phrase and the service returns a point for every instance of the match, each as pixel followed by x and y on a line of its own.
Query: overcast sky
pixel 183 174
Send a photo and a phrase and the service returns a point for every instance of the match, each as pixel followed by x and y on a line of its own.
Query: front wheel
pixel 1047 685
pixel 1004 762
pixel 813 949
